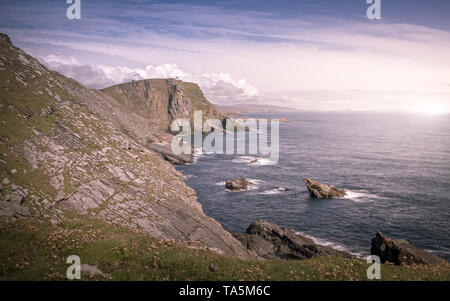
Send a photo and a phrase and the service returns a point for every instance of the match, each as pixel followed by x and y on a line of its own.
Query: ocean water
pixel 396 168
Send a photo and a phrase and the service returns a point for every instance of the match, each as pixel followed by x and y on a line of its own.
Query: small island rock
pixel 238 184
pixel 323 191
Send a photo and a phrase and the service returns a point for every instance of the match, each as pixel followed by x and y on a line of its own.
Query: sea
pixel 395 168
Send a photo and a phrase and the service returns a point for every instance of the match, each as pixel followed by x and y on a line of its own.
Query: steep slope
pixel 161 101
pixel 63 150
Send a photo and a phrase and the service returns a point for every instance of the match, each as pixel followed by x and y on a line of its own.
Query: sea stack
pixel 237 184
pixel 323 191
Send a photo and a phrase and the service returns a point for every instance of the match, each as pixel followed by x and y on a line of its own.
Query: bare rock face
pixel 145 109
pixel 12 199
pixel 237 184
pixel 323 191
pixel 269 240
pixel 400 252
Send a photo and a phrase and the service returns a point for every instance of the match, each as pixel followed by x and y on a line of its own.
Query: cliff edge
pixel 65 148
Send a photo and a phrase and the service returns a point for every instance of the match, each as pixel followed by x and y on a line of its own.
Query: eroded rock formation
pixel 321 191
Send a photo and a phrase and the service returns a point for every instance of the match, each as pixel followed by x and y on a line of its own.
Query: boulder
pixel 269 240
pixel 323 191
pixel 237 184
pixel 12 201
pixel 401 252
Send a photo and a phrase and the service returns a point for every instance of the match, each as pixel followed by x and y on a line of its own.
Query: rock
pixel 400 252
pixel 93 271
pixel 237 184
pixel 256 243
pixel 213 268
pixel 269 240
pixel 16 195
pixel 88 196
pixel 166 152
pixel 11 203
pixel 320 190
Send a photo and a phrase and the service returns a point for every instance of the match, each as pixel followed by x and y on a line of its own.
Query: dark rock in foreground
pixel 400 252
pixel 271 241
pixel 323 191
pixel 238 184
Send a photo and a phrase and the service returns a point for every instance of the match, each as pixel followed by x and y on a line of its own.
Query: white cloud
pixel 217 87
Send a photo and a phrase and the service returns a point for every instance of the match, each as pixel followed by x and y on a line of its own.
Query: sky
pixel 321 55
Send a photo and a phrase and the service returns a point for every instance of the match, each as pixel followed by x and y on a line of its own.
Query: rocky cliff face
pixel 159 102
pixel 65 148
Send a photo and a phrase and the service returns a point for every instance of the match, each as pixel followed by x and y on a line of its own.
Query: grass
pixel 35 250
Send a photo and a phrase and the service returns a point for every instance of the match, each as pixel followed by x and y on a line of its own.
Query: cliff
pixel 66 150
pixel 159 102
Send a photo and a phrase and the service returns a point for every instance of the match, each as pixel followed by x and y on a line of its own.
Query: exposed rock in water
pixel 323 191
pixel 269 240
pixel 401 252
pixel 238 184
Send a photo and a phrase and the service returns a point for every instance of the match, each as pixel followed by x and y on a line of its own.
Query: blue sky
pixel 281 52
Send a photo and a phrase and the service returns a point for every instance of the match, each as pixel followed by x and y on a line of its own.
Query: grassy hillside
pixel 33 250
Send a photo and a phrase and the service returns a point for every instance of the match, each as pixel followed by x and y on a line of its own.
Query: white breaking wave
pixel 274 191
pixel 253 160
pixel 330 244
pixel 255 183
pixel 360 196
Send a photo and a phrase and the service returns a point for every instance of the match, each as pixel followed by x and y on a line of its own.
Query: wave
pixel 330 244
pixel 253 160
pixel 196 154
pixel 360 196
pixel 255 183
pixel 274 191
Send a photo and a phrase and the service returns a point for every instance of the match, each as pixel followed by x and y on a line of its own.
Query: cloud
pixel 238 55
pixel 218 87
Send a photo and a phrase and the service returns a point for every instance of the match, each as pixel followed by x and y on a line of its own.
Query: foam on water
pixel 253 160
pixel 255 183
pixel 274 191
pixel 330 244
pixel 360 196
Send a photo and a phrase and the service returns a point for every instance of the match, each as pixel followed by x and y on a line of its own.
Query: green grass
pixel 195 94
pixel 34 250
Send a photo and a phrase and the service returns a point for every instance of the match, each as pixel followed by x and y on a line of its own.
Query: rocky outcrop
pixel 158 102
pixel 269 240
pixel 238 184
pixel 321 191
pixel 401 252
pixel 65 148
pixel 164 149
pixel 12 201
